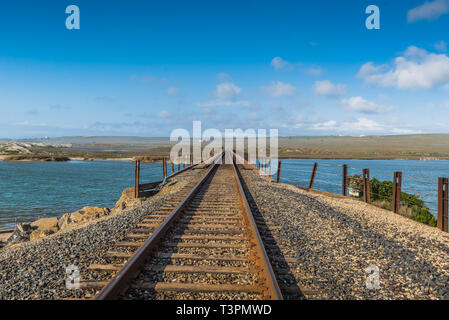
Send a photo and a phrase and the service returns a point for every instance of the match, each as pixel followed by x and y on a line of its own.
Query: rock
pixel 20 234
pixel 126 199
pixel 50 224
pixel 37 234
pixel 64 221
pixel 85 214
pixel 88 213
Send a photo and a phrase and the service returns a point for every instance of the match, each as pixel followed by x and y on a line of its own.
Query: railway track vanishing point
pixel 202 244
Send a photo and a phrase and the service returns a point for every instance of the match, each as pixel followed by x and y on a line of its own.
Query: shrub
pixel 381 195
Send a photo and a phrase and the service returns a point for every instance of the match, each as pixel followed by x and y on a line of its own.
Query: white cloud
pixel 227 90
pixel 369 69
pixel 172 91
pixel 328 125
pixel 224 103
pixel 441 46
pixel 359 104
pixel 315 71
pixel 280 89
pixel 361 126
pixel 328 89
pixel 416 69
pixel 431 10
pixel 280 64
pixel 164 114
pixel 223 77
pixel 446 104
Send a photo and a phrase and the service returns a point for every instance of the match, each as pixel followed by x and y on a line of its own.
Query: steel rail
pixel 122 281
pixel 270 281
pixel 119 283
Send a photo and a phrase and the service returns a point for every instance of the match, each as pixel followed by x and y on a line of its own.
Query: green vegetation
pixel 381 195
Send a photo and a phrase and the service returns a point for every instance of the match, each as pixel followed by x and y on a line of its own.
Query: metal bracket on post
pixel 397 184
pixel 366 188
pixel 312 177
pixel 442 221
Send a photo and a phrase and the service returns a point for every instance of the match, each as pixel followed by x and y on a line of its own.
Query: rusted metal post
pixel 397 184
pixel 366 189
pixel 312 177
pixel 137 176
pixel 172 167
pixel 279 172
pixel 179 166
pixel 191 159
pixel 344 183
pixel 442 220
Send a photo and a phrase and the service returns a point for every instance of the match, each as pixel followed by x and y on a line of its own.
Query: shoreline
pixel 3 157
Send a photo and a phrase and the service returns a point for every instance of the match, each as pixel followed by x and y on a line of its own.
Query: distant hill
pixel 104 140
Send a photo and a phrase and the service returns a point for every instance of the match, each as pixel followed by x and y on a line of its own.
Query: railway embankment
pixel 37 269
pixel 332 247
pixel 338 245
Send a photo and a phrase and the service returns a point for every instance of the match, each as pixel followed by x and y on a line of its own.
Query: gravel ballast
pixel 335 240
pixel 37 269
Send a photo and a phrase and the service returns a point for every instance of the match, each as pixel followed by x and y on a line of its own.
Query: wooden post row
pixel 312 177
pixel 442 219
pixel 397 185
pixel 366 188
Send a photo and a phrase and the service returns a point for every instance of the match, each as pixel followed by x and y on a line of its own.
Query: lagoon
pixel 31 190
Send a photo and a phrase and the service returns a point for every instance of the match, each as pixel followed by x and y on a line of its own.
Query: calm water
pixel 30 190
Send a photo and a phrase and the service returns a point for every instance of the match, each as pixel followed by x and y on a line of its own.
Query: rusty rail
pixel 137 262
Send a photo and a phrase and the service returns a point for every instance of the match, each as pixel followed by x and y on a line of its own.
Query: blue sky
pixel 147 67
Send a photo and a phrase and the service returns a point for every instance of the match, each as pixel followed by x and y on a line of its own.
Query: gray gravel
pixel 334 241
pixel 37 270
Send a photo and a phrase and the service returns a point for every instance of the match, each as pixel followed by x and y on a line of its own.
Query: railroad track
pixel 203 244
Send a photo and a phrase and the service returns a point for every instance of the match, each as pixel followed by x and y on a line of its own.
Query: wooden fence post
pixel 442 220
pixel 397 185
pixel 344 184
pixel 164 167
pixel 271 160
pixel 179 166
pixel 312 177
pixel 366 189
pixel 137 176
pixel 172 167
pixel 279 172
